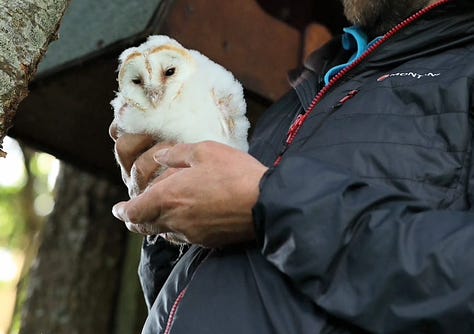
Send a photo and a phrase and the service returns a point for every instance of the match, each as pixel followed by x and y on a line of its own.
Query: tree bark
pixel 26 29
pixel 75 281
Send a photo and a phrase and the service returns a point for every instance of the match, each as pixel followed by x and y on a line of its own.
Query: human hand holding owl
pixel 209 200
pixel 206 197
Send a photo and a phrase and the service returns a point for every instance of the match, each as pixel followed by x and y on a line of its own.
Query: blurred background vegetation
pixel 27 180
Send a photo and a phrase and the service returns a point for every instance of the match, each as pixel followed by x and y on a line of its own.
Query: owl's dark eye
pixel 137 81
pixel 169 72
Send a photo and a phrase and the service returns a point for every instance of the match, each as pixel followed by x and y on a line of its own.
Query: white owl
pixel 178 95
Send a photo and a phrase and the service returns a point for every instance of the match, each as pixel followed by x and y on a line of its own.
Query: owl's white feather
pixel 178 95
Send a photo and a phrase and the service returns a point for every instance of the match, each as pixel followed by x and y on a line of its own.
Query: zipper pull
pixel 346 98
pixel 297 123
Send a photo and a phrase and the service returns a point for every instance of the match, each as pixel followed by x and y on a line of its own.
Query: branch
pixel 26 29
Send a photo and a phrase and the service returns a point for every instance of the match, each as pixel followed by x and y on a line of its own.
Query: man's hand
pixel 206 195
pixel 134 153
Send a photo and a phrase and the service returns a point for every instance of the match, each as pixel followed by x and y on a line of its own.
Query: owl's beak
pixel 154 95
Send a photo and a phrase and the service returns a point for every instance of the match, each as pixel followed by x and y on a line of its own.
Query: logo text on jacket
pixel 413 75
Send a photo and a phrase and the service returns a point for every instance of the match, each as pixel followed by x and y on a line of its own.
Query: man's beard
pixel 376 17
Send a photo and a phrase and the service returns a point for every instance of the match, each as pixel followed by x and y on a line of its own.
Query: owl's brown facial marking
pixel 148 67
pixel 133 56
pixel 123 109
pixel 172 48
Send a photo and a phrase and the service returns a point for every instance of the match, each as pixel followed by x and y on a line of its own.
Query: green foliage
pixel 25 182
pixel 18 218
pixel 12 219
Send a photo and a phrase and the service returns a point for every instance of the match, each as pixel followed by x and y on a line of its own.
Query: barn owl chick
pixel 178 95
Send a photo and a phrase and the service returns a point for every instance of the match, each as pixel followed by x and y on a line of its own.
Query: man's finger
pixel 167 172
pixel 146 228
pixel 142 209
pixel 145 168
pixel 187 155
pixel 129 146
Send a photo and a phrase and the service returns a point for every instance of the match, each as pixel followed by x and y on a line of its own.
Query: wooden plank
pixel 256 47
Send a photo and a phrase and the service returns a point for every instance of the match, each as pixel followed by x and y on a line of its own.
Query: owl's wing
pixel 231 106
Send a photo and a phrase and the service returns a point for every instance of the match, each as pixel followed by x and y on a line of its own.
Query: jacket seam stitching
pixel 457 177
pixel 395 115
pixel 384 143
pixel 342 116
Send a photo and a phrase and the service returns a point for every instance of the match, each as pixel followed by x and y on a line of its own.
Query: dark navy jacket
pixel 367 223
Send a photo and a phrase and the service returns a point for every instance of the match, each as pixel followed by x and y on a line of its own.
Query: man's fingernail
pixel 159 155
pixel 116 211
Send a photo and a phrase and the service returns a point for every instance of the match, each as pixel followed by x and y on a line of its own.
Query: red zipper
pixel 173 311
pixel 298 123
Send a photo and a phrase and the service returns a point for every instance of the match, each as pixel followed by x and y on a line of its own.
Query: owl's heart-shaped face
pixel 149 79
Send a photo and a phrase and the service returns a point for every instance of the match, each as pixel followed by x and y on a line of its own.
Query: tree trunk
pixel 26 29
pixel 75 282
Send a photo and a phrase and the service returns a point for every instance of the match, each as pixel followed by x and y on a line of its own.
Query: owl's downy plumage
pixel 178 95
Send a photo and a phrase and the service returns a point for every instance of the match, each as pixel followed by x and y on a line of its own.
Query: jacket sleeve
pixel 381 259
